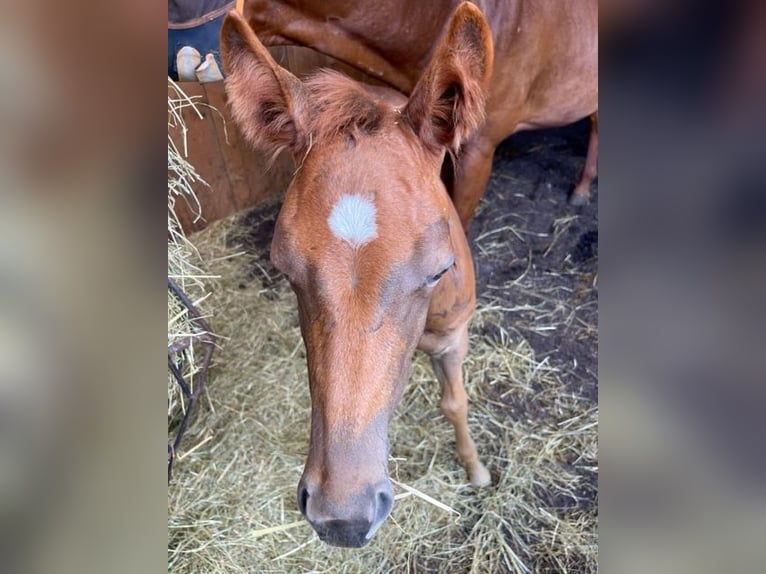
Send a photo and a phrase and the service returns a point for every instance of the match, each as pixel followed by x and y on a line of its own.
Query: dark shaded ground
pixel 536 256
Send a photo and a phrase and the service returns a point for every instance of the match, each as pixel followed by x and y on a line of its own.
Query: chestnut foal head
pixel 369 241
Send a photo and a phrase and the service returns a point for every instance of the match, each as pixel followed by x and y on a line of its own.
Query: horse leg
pixel 581 193
pixel 448 367
pixel 474 165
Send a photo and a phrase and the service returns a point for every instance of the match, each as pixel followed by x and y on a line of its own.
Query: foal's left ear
pixel 447 103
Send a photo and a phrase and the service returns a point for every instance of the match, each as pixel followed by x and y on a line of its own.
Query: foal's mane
pixel 342 106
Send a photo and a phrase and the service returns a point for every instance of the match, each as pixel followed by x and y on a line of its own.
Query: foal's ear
pixel 267 101
pixel 447 103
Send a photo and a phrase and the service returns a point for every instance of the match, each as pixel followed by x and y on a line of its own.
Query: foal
pixel 374 250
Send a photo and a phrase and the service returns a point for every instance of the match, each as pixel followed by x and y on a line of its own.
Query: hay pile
pixel 184 262
pixel 231 503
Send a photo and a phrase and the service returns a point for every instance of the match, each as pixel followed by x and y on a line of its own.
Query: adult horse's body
pixel 545 64
pixel 373 248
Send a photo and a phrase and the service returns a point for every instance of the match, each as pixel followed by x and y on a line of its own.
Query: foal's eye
pixel 434 279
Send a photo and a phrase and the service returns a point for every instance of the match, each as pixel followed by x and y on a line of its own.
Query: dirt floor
pixel 536 258
pixel 531 378
pixel 532 250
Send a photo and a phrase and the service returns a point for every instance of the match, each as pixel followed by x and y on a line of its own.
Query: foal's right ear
pixel 447 104
pixel 267 101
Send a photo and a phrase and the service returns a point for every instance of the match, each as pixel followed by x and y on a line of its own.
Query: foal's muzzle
pixel 352 523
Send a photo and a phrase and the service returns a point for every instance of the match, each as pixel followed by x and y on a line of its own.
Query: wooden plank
pixel 248 170
pixel 236 174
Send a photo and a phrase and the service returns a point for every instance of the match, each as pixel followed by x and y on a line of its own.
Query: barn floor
pixel 531 378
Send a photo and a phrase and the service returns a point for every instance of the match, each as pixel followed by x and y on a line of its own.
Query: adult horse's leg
pixel 448 366
pixel 581 193
pixel 474 165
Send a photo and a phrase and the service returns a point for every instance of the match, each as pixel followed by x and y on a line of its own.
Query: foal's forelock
pixel 341 106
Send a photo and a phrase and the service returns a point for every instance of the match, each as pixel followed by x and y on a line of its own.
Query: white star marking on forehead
pixel 353 220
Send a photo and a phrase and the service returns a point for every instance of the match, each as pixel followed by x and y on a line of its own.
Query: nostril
pixel 384 504
pixel 303 499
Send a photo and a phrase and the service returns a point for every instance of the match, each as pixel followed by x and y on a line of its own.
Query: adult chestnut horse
pixel 545 72
pixel 373 248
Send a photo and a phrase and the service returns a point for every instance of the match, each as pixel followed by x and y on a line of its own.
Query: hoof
pixel 479 476
pixel 578 199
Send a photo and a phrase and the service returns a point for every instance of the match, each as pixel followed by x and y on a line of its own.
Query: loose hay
pixel 231 504
pixel 184 262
